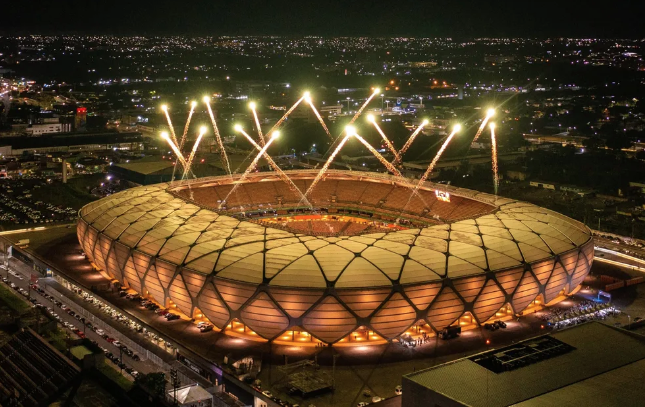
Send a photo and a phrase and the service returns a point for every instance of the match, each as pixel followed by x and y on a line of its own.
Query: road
pixel 142 366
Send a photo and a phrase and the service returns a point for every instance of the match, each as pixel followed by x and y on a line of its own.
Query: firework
pixel 388 143
pixel 378 155
pixel 369 99
pixel 320 119
pixel 257 122
pixel 490 113
pixel 202 131
pixel 435 160
pixel 349 132
pixel 493 143
pixel 183 136
pixel 408 143
pixel 284 177
pixel 172 129
pixel 174 148
pixel 253 164
pixel 284 117
pixel 227 165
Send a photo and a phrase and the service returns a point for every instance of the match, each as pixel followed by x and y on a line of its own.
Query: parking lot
pixel 19 205
pixel 123 358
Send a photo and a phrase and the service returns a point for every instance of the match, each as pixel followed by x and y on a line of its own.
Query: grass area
pixel 58 339
pixel 114 375
pixel 75 193
pixel 11 299
pixel 79 352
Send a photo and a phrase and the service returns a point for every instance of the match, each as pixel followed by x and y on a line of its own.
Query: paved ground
pixel 375 368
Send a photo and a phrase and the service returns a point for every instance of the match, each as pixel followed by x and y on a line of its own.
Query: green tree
pixel 593 143
pixel 618 141
pixel 155 382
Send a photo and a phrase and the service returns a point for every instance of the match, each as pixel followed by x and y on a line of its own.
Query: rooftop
pixel 604 365
pixel 147 168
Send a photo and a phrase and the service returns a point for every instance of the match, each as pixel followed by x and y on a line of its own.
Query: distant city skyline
pixel 285 17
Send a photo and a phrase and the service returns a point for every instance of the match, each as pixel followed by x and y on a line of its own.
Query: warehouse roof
pixel 603 366
pixel 147 168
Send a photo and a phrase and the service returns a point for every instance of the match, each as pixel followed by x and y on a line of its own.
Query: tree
pixel 154 382
pixel 592 143
pixel 618 141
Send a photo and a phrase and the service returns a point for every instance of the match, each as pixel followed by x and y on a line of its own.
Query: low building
pixel 589 364
pixel 540 184
pixel 145 173
pixel 73 142
pixel 333 110
pixel 581 191
pixel 37 129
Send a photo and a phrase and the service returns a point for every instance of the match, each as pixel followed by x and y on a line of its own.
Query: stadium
pixel 367 261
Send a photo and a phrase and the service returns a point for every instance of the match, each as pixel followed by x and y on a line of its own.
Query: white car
pixel 100 332
pixel 65 324
pixel 117 344
pixel 398 390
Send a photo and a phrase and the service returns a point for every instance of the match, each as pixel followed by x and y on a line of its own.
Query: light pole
pixel 382 101
pixel 348 112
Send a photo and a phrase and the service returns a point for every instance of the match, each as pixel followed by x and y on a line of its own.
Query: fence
pixel 143 353
pixel 614 286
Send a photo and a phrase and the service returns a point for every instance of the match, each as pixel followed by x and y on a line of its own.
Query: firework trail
pixel 222 151
pixel 408 143
pixel 493 143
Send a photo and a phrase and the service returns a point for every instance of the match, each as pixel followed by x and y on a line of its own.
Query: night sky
pixel 456 18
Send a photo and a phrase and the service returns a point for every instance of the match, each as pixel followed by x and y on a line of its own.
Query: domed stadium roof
pixel 155 222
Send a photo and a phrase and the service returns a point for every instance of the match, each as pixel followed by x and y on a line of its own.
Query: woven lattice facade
pixel 474 254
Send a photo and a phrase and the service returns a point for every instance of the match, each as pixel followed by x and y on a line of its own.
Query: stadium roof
pixel 154 221
pixel 604 369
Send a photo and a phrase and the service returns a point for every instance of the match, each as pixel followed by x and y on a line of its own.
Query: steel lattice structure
pixel 476 253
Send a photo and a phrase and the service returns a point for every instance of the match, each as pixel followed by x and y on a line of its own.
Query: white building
pixel 38 129
pixel 191 395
